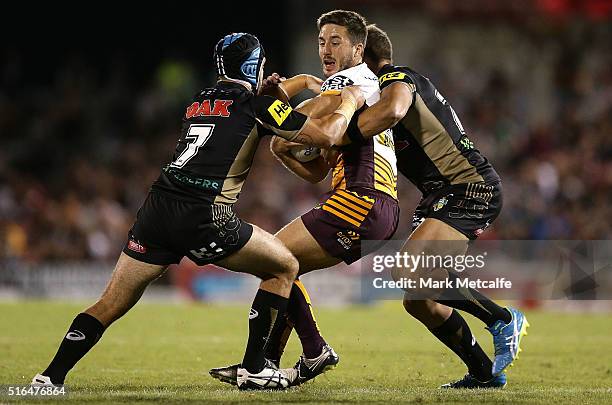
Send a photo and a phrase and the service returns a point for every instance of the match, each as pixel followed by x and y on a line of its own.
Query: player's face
pixel 336 50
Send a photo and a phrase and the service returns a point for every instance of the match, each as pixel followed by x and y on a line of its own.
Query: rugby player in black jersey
pixel 462 195
pixel 188 211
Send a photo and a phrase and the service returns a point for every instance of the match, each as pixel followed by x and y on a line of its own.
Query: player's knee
pixel 291 267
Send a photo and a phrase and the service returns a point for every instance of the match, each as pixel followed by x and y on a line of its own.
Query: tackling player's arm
pixel 284 89
pixel 324 132
pixel 396 97
pixel 315 170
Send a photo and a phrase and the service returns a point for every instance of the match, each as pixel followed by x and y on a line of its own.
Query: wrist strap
pixel 353 131
pixel 347 109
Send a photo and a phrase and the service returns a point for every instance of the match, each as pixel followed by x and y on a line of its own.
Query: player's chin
pixel 330 69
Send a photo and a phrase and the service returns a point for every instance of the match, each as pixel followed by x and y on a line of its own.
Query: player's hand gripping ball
pixel 305 153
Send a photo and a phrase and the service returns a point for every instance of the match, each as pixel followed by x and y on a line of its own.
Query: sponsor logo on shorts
pixel 208 252
pixel 346 238
pixel 279 111
pixel 479 231
pixel 253 314
pixel 440 204
pixel 75 335
pixel 136 247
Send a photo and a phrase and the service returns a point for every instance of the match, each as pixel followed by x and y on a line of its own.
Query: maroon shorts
pixel 344 218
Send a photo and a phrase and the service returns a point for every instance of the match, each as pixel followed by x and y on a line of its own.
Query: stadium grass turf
pixel 163 353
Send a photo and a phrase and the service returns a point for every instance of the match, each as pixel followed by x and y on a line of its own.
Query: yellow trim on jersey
pixel 384 186
pixel 378 166
pixel 279 111
pixel 391 76
pixel 385 179
pixel 331 92
pixel 338 179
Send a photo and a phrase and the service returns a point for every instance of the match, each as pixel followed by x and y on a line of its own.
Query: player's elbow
pixel 395 114
pixel 276 146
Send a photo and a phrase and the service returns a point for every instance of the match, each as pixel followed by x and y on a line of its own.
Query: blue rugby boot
pixel 507 340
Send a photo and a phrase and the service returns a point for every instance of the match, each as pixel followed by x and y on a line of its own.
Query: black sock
pixel 83 334
pixel 299 311
pixel 266 309
pixel 275 347
pixel 456 335
pixel 473 302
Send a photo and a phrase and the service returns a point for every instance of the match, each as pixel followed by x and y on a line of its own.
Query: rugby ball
pixel 304 153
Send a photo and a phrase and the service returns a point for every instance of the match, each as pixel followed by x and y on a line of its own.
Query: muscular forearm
pixel 393 105
pixel 376 119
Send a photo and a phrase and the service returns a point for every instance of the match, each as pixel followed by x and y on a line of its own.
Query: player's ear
pixel 358 51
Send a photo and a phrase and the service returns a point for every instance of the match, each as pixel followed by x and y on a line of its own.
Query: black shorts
pixel 166 229
pixel 469 208
pixel 344 218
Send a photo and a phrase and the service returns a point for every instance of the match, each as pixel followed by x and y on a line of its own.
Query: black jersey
pixel 431 145
pixel 221 131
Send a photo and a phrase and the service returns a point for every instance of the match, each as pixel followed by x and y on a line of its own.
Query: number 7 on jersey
pixel 197 136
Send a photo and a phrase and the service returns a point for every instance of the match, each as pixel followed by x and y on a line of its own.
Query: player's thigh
pixel 131 275
pixel 304 247
pixel 263 255
pixel 434 229
pixel 431 238
pixel 127 284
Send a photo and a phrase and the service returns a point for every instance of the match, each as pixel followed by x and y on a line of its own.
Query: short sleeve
pixel 278 117
pixel 394 76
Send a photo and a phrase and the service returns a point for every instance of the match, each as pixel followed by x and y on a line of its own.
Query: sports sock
pixel 457 336
pixel 84 333
pixel 275 347
pixel 266 309
pixel 300 312
pixel 473 302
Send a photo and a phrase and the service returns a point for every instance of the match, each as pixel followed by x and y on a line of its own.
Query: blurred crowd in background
pixel 80 150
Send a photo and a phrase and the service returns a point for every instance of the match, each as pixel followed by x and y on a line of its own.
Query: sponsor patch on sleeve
pixel 279 111
pixel 391 76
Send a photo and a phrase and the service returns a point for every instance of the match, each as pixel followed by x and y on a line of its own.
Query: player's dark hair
pixel 354 22
pixel 379 45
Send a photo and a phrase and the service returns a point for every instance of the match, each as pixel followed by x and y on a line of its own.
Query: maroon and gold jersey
pixel 372 164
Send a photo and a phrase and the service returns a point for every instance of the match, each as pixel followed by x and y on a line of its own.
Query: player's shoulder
pixel 391 73
pixel 265 103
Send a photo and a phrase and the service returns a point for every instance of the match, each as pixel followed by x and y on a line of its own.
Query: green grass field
pixel 163 353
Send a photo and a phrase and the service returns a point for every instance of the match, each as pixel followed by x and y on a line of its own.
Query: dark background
pixel 91 102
